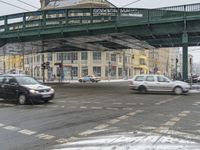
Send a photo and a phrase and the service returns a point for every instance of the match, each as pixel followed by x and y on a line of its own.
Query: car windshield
pixel 26 80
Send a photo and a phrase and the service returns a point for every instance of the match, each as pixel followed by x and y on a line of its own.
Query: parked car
pixel 157 83
pixel 24 89
pixel 89 78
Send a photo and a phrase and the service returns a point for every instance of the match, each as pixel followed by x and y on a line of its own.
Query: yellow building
pixel 140 62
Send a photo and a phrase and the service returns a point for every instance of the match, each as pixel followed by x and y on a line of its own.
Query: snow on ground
pixel 130 141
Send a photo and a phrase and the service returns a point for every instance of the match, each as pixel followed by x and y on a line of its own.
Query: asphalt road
pixel 90 111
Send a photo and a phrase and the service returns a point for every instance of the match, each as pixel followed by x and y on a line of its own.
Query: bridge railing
pixel 86 16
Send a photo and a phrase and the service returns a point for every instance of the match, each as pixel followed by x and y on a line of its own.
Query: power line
pixel 14 5
pixel 131 3
pixel 28 4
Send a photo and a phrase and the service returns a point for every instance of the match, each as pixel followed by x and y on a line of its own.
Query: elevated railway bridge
pixel 104 29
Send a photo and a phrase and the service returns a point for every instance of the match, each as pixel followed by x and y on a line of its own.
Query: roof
pixel 79 4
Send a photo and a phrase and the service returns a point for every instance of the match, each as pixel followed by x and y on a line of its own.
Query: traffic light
pixel 176 60
pixel 43 65
pixel 47 65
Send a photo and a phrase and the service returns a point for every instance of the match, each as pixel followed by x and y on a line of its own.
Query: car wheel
pixel 142 89
pixel 93 80
pixel 80 81
pixel 22 99
pixel 178 90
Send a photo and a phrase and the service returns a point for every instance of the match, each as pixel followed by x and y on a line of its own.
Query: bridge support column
pixel 185 56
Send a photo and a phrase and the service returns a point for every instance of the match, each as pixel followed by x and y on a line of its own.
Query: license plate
pixel 46 95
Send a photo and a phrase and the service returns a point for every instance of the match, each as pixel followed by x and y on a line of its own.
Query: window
pixel 161 79
pixel 113 57
pixel 74 71
pixel 59 55
pixel 49 57
pixel 150 78
pixel 38 58
pixel 97 71
pixel 96 55
pixel 84 56
pixel 139 78
pixel 119 71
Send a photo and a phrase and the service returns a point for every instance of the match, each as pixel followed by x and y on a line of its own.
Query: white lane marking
pixel 61 141
pixel 45 136
pixel 169 123
pixel 110 108
pixel 123 117
pixel 113 121
pixel 96 108
pixel 141 103
pixel 62 106
pixel 11 128
pixel 168 100
pixel 97 102
pixel 88 132
pixel 130 103
pixel 116 103
pixel 101 126
pixel 27 132
pixel 72 107
pixel 182 115
pixel 54 106
pixel 126 108
pixel 186 112
pixel 83 107
pixel 175 119
pixel 139 111
pixel 183 134
pixel 85 102
pixel 131 113
pixel 1 124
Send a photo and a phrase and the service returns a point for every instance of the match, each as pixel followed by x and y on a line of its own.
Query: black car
pixel 24 89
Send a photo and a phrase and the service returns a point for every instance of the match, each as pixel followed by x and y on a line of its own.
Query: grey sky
pixel 6 9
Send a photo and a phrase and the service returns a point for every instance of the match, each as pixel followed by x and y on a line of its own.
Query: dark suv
pixel 24 89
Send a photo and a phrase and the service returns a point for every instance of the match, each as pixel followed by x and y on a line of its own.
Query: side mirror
pixel 14 84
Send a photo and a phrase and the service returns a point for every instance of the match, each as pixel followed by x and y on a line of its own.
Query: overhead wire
pixel 14 5
pixel 28 4
pixel 131 3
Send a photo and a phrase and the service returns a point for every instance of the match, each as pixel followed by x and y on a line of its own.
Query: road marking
pixel 175 119
pixel 61 141
pixel 27 132
pixel 83 107
pixel 127 108
pixel 101 126
pixel 123 117
pixel 113 121
pixel 130 103
pixel 45 136
pixel 168 100
pixel 85 102
pixel 96 108
pixel 169 123
pixel 97 102
pixel 11 128
pixel 117 103
pixel 110 108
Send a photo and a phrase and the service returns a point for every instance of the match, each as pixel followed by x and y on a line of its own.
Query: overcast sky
pixel 6 9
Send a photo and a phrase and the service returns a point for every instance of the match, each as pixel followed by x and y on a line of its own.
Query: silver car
pixel 157 83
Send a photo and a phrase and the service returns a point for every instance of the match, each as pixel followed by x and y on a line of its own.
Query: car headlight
pixel 33 91
pixel 52 90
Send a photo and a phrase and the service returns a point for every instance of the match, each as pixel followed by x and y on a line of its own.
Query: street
pixel 102 116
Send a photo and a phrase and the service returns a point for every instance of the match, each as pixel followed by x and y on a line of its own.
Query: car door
pixel 1 87
pixel 10 88
pixel 164 84
pixel 150 83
